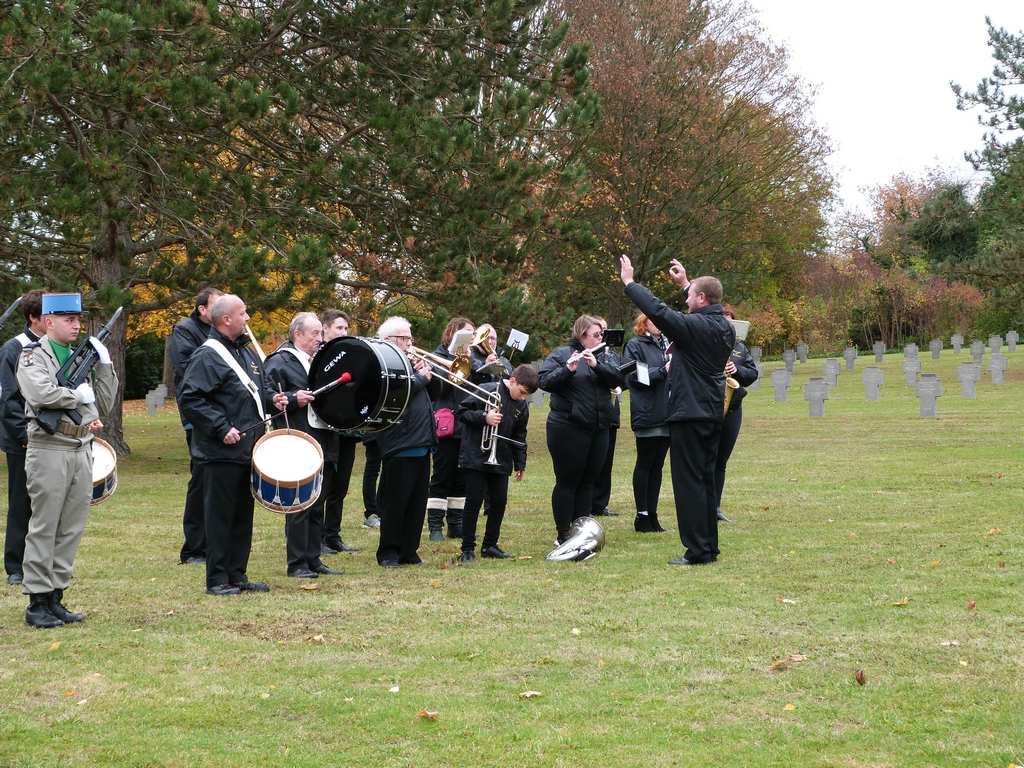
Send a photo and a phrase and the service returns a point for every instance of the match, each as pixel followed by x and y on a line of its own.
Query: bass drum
pixel 378 393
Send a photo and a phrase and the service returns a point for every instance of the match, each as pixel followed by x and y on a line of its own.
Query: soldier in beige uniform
pixel 59 466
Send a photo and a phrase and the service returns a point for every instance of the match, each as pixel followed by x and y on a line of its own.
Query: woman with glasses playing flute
pixel 581 414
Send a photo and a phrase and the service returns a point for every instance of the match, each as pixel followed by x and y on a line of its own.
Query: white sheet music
pixel 642 375
pixel 517 340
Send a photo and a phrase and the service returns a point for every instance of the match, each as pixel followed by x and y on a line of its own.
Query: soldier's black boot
pixel 58 609
pixel 38 613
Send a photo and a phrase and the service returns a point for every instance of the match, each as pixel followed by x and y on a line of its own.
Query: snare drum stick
pixel 287 426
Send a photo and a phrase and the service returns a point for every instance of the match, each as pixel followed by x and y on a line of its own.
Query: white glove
pixel 85 390
pixel 101 350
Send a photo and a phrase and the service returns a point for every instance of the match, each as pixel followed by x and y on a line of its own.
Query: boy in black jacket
pixel 510 421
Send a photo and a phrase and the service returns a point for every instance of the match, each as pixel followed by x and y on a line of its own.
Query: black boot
pixel 58 610
pixel 655 525
pixel 38 613
pixel 642 524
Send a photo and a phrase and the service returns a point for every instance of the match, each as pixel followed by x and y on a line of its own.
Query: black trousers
pixel 446 481
pixel 227 498
pixel 647 472
pixel 403 505
pixel 371 470
pixel 193 521
pixel 576 457
pixel 603 483
pixel 694 453
pixel 337 477
pixel 303 533
pixel 19 510
pixel 730 432
pixel 479 483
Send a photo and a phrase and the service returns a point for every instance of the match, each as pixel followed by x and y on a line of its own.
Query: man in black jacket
pixel 288 369
pixel 15 434
pixel 405 448
pixel 187 336
pixel 703 340
pixel 223 392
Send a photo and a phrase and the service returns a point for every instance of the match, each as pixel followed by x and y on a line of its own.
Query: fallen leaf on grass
pixel 435 583
pixel 525 557
pixel 264 695
pixel 904 601
pixel 69 693
pixel 858 675
pixel 994 532
pixel 970 605
pixel 892 561
pixel 950 644
pixel 393 689
pixel 574 631
pixel 780 599
pixel 308 587
pixel 789 662
pixel 170 612
pixel 936 562
pixel 530 694
pixel 55 646
pixel 318 639
pixel 789 707
pixel 472 655
pixel 428 714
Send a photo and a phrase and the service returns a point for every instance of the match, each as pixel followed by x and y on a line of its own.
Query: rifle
pixel 75 371
pixel 9 312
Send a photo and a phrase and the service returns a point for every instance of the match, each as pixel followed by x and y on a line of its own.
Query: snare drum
pixel 287 471
pixel 377 395
pixel 104 470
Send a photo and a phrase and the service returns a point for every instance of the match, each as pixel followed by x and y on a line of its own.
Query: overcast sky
pixel 882 70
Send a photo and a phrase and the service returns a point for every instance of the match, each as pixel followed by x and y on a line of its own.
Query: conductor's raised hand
pixel 678 273
pixel 625 269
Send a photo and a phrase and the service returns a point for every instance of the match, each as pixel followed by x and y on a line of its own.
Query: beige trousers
pixel 60 487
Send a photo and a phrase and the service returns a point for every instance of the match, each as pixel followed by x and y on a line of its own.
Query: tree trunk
pixel 113 424
pixel 169 370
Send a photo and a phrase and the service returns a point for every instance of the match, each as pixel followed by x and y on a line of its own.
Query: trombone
pixel 457 373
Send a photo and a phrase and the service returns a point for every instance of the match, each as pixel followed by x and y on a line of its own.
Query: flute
pixel 577 355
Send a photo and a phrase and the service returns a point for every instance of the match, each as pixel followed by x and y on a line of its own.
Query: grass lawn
pixel 869 539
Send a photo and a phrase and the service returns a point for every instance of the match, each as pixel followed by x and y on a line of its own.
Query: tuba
pixel 586 539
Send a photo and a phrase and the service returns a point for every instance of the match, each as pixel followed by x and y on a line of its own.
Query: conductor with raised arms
pixel 703 340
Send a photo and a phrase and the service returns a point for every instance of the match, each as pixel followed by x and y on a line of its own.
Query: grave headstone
pixel 801 350
pixel 957 341
pixel 153 401
pixel 1011 340
pixel 995 343
pixel 162 389
pixel 879 349
pixel 910 350
pixel 830 369
pixel 968 374
pixel 850 354
pixel 781 379
pixel 911 367
pixel 928 389
pixel 760 374
pixel 978 350
pixel 997 363
pixel 816 393
pixel 789 357
pixel 935 345
pixel 755 353
pixel 872 379
pixel 537 399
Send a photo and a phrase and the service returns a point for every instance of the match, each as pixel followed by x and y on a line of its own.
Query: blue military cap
pixel 62 303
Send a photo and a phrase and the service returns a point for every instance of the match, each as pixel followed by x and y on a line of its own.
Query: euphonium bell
pixel 458 369
pixel 731 385
pixel 586 539
pixel 480 339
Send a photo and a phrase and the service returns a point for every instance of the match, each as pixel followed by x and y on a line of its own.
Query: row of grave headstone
pixel 928 389
pixel 156 398
pixel 977 347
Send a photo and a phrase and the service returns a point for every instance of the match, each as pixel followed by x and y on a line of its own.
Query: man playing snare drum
pixel 223 392
pixel 58 467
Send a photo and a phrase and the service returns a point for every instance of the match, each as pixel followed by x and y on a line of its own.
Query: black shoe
pixel 251 586
pixel 38 613
pixel 303 573
pixel 345 547
pixel 467 557
pixel 496 552
pixel 655 524
pixel 723 518
pixel 642 524
pixel 682 561
pixel 327 571
pixel 455 531
pixel 436 534
pixel 15 578
pixel 223 589
pixel 53 602
pixel 606 513
pixel 326 549
pixel 194 561
pixel 390 564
